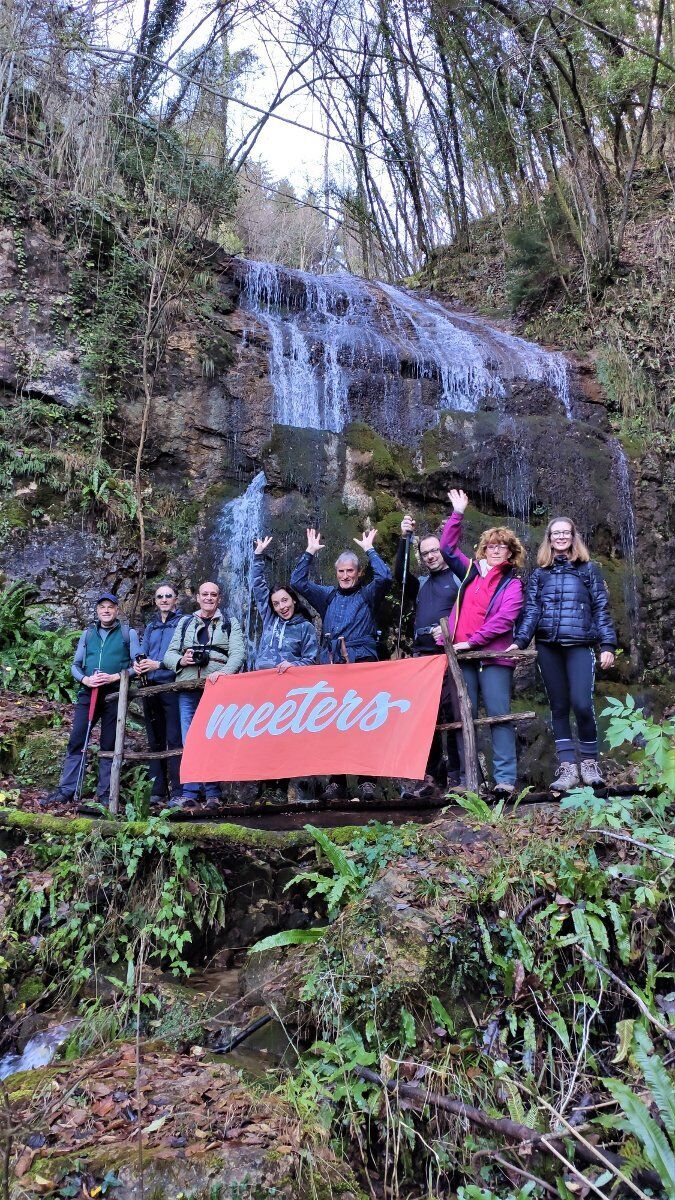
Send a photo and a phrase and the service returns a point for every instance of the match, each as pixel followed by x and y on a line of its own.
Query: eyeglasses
pixel 428 553
pixel 496 546
pixel 556 534
pixel 164 595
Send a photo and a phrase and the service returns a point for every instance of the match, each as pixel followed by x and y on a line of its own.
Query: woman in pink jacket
pixel 488 603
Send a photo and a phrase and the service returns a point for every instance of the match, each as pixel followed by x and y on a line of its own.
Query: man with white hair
pixel 349 629
pixel 349 632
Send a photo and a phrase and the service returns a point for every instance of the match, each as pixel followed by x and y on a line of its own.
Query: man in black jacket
pixel 433 596
pixel 162 719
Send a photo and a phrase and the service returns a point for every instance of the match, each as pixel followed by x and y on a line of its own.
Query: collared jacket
pixel 506 603
pixel 346 613
pixel 567 603
pixel 294 641
pixel 155 643
pixel 226 648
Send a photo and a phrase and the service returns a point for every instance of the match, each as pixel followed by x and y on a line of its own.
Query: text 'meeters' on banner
pixel 357 719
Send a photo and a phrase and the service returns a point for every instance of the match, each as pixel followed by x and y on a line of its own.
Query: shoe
pixel 366 791
pixel 590 772
pixel 58 796
pixel 566 778
pixel 333 791
pixel 453 780
pixel 503 790
pixel 182 801
pixel 424 788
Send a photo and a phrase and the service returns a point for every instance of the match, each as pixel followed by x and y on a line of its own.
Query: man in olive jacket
pixel 205 645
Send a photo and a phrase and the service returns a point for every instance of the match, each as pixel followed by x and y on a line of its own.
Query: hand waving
pixel 314 542
pixel 366 542
pixel 458 499
pixel 261 545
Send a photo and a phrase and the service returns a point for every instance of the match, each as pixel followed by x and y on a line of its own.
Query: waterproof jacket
pixel 110 650
pixel 294 641
pixel 347 613
pixel 506 603
pixel 156 641
pixel 224 640
pixel 433 596
pixel 567 603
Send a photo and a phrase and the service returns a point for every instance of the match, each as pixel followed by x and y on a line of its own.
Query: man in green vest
pixel 105 649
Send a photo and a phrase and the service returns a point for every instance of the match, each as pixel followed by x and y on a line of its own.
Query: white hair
pixel 347 556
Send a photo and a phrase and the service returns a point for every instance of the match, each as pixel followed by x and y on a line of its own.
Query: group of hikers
pixel 564 607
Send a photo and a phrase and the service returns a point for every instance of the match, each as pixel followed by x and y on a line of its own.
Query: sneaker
pixel 566 778
pixel 182 802
pixel 590 772
pixel 58 796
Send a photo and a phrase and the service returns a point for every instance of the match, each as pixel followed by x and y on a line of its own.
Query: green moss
pixel 13 515
pixel 29 990
pixel 383 464
pixel 385 503
pixel 40 759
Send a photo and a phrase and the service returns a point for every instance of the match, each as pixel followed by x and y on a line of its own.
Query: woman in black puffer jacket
pixel 566 611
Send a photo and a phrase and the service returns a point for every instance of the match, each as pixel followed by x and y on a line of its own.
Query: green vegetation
pixel 34 659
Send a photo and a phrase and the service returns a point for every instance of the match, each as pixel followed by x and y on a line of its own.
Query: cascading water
pixel 240 521
pixel 335 338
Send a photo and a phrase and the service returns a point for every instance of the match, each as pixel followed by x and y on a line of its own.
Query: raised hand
pixel 261 545
pixel 458 499
pixel 407 525
pixel 314 542
pixel 366 542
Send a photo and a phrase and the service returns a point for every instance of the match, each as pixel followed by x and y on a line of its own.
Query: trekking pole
pixel 405 577
pixel 80 774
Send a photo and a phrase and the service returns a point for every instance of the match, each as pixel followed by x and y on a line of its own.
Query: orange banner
pixel 357 719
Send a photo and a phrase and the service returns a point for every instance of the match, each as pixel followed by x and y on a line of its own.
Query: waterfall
pixel 628 539
pixel 337 343
pixel 240 521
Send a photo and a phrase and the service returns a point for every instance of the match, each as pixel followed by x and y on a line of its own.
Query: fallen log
pixel 512 1131
pixel 195 833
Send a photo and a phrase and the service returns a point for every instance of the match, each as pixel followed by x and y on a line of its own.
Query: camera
pixel 200 656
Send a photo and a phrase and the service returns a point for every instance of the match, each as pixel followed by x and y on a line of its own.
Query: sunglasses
pixel 164 595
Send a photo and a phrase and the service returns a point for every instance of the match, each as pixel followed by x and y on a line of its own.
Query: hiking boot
pixel 333 791
pixel 58 796
pixel 423 789
pixel 182 802
pixel 566 778
pixel 503 790
pixel 590 772
pixel 367 791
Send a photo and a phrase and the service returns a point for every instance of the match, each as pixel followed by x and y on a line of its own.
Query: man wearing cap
pixel 105 649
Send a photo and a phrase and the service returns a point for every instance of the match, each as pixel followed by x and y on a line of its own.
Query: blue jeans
pixel 187 706
pixel 494 685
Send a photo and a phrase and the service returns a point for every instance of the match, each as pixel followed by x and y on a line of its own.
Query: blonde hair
pixel 499 533
pixel 578 551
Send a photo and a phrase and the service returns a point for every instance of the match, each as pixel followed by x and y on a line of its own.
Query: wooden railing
pixel 466 725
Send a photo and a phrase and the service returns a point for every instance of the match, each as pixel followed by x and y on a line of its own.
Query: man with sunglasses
pixel 162 717
pixel 433 596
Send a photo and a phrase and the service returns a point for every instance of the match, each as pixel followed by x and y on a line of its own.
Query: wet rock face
pixel 473 405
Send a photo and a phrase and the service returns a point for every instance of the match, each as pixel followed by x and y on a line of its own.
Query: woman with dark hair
pixel 489 602
pixel 567 612
pixel 288 634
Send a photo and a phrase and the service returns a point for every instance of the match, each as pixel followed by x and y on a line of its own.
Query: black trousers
pixel 162 722
pixel 568 673
pixel 436 764
pixel 107 715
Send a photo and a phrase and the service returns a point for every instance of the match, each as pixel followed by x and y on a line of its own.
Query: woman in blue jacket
pixel 567 612
pixel 288 635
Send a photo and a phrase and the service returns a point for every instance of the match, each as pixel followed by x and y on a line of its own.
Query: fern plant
pixel 654 1134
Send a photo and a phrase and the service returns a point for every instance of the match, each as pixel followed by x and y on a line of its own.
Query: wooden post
pixel 118 753
pixel 468 734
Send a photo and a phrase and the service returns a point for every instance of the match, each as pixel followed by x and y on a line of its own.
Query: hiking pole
pixel 80 774
pixel 405 578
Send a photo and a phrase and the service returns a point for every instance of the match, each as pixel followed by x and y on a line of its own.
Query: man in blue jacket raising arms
pixel 347 610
